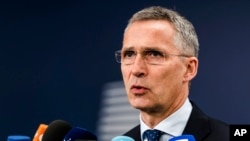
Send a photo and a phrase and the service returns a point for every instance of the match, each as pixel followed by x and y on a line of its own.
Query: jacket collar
pixel 198 124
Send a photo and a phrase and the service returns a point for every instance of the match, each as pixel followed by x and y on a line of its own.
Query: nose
pixel 139 68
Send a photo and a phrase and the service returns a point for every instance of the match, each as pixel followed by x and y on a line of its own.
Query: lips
pixel 136 89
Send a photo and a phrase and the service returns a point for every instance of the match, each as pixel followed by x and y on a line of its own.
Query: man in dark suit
pixel 202 127
pixel 159 58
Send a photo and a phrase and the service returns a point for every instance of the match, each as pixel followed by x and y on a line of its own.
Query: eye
pixel 128 54
pixel 154 53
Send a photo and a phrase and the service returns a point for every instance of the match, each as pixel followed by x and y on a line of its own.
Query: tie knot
pixel 152 135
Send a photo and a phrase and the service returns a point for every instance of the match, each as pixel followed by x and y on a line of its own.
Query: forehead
pixel 157 23
pixel 151 33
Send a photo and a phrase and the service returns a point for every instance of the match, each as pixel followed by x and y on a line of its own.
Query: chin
pixel 140 106
pixel 148 108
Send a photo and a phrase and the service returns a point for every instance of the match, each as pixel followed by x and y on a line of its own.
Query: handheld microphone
pixel 18 138
pixel 122 138
pixel 56 131
pixel 79 134
pixel 183 138
pixel 39 132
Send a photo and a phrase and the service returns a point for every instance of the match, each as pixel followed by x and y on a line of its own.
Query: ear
pixel 191 64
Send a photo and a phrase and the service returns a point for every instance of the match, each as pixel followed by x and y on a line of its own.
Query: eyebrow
pixel 143 48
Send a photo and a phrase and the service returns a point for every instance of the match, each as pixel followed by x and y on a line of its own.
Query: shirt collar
pixel 173 124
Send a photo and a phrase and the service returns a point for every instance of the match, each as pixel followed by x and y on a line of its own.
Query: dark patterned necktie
pixel 152 135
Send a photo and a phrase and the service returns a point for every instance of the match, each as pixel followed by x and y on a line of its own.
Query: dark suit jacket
pixel 202 127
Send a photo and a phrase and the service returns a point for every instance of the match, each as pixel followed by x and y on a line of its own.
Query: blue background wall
pixel 55 57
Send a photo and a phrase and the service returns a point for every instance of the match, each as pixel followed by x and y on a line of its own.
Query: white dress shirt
pixel 174 124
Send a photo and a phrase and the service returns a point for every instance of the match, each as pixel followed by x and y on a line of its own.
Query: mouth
pixel 138 90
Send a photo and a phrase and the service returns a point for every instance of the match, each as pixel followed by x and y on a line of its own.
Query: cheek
pixel 166 79
pixel 124 71
pixel 125 75
pixel 161 76
pixel 173 72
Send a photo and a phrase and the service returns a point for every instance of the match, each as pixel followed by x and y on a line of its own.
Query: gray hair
pixel 185 39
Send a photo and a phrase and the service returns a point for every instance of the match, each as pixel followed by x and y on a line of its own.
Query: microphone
pixel 39 132
pixel 183 138
pixel 79 134
pixel 56 131
pixel 18 138
pixel 122 138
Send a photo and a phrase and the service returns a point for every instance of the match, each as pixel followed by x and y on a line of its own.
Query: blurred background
pixel 57 61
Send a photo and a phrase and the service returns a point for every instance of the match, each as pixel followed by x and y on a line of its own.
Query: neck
pixel 153 118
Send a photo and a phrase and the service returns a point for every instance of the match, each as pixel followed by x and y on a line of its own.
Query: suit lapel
pixel 198 124
pixel 134 133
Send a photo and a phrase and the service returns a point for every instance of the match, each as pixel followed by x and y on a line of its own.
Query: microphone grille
pixel 56 131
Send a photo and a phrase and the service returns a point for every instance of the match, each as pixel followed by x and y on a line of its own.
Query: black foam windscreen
pixel 56 130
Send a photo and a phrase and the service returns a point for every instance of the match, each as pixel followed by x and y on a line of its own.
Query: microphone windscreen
pixel 56 131
pixel 39 132
pixel 122 138
pixel 183 138
pixel 18 138
pixel 78 133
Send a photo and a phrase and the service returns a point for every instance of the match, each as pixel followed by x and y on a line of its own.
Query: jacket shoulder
pixel 206 128
pixel 219 130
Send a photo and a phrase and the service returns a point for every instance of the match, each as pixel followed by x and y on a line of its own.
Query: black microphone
pixel 183 138
pixel 56 130
pixel 122 138
pixel 79 134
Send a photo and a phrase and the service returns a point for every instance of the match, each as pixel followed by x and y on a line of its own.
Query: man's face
pixel 154 87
